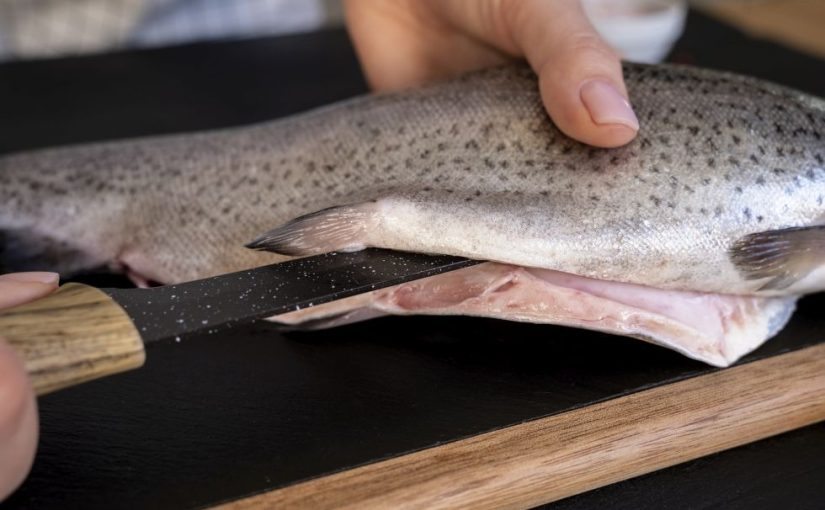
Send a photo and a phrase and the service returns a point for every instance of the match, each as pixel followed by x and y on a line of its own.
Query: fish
pixel 700 235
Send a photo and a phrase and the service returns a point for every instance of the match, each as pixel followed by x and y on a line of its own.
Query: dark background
pixel 216 418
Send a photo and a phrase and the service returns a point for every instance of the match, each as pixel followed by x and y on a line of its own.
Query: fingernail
pixel 31 277
pixel 607 105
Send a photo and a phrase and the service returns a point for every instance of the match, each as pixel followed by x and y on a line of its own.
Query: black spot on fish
pixel 747 212
pixel 471 145
pixel 760 180
pixel 694 130
pixel 656 200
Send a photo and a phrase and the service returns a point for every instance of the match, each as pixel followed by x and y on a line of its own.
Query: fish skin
pixel 718 157
pixel 470 167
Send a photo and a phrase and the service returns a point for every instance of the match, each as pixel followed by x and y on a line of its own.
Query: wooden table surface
pixel 218 419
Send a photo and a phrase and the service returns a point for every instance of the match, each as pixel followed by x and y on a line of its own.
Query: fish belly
pixel 713 328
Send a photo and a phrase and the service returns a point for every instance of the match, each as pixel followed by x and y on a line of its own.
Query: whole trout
pixel 698 235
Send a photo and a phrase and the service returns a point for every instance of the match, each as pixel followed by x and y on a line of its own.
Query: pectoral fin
pixel 782 256
pixel 342 228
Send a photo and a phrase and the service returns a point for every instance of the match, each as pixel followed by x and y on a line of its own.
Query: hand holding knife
pixel 81 333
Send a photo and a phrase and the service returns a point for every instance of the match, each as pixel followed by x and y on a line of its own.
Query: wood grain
pixel 552 458
pixel 74 335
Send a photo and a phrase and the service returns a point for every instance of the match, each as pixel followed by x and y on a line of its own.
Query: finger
pixel 580 76
pixel 18 421
pixel 18 288
pixel 406 43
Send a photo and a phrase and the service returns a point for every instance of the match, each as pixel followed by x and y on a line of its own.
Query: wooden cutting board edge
pixel 551 458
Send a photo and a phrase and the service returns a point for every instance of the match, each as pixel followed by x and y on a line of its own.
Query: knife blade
pixel 81 333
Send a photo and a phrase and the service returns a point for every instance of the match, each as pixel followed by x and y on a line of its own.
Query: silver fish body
pixel 721 192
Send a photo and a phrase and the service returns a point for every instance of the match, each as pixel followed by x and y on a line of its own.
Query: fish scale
pixel 475 137
pixel 471 167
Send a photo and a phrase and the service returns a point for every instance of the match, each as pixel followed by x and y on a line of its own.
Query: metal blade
pixel 219 302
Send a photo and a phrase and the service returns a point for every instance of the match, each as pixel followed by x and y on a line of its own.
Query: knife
pixel 80 333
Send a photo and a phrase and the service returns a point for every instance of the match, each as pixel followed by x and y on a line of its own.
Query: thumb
pixel 18 421
pixel 19 288
pixel 580 76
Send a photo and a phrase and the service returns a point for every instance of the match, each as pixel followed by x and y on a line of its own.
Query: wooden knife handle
pixel 74 335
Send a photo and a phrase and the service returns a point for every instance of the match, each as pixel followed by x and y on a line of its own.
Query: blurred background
pixel 643 30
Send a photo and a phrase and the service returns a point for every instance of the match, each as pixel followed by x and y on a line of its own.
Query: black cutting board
pixel 215 418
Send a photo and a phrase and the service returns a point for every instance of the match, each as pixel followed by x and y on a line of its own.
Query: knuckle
pixel 591 44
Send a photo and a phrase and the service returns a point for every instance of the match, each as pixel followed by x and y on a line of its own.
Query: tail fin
pixel 25 250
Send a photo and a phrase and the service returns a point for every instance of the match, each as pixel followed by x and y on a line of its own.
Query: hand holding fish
pixel 18 409
pixel 405 43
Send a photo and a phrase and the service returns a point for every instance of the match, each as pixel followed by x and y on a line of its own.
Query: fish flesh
pixel 700 235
